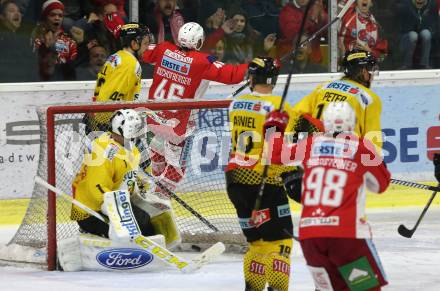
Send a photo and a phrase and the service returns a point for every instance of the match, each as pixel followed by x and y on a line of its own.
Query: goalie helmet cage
pixel 62 142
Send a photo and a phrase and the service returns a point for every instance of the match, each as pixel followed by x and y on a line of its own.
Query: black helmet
pixel 133 31
pixel 355 60
pixel 264 70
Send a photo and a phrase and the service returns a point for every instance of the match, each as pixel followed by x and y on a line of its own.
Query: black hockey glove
pixel 436 162
pixel 292 183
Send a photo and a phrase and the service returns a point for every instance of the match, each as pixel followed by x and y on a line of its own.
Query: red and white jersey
pixel 336 171
pixel 178 74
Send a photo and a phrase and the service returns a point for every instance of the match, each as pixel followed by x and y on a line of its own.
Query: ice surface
pixel 411 264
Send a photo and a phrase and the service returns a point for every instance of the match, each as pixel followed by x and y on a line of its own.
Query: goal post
pixel 62 142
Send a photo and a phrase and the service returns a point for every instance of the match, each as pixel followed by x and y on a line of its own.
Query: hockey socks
pixel 267 262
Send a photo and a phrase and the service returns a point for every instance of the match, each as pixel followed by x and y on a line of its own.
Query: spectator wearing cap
pixel 56 50
pixel 17 62
pixel 165 21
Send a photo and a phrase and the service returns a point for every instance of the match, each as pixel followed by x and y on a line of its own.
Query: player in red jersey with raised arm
pixel 181 72
pixel 334 234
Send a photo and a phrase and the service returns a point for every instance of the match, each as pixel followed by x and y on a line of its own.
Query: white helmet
pixel 339 117
pixel 127 123
pixel 191 36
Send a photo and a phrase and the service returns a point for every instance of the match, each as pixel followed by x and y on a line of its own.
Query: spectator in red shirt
pixel 165 21
pixel 290 21
pixel 359 29
pixel 56 50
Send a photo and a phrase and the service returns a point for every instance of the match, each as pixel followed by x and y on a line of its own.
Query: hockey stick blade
pixel 405 232
pixel 209 255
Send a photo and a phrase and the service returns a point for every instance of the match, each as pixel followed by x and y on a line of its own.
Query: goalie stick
pixel 402 229
pixel 159 252
pixel 302 44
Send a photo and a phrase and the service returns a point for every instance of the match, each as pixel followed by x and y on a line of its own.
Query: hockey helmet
pixel 339 117
pixel 127 123
pixel 133 31
pixel 191 36
pixel 264 70
pixel 355 60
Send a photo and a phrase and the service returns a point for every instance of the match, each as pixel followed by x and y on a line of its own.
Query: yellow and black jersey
pixel 247 115
pixel 119 79
pixel 366 104
pixel 107 166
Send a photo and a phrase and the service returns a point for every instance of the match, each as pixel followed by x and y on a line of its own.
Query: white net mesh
pixel 202 188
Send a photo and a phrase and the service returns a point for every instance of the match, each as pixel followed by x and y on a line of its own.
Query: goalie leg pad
pixel 93 253
pixel 166 225
pixel 123 225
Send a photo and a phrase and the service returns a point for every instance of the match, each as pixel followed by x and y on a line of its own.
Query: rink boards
pixel 12 211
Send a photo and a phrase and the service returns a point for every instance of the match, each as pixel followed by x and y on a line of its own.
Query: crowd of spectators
pixel 56 40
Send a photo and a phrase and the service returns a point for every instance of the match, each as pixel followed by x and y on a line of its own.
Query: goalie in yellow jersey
pixel 360 67
pixel 267 260
pixel 109 183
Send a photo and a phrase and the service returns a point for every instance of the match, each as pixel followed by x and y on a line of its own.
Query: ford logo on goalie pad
pixel 123 259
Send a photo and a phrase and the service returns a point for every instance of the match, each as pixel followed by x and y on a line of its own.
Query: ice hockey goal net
pixel 63 138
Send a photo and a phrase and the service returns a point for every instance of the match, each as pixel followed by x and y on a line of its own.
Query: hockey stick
pixel 257 204
pixel 286 87
pixel 158 251
pixel 415 185
pixel 180 201
pixel 408 233
pixel 402 229
pixel 303 43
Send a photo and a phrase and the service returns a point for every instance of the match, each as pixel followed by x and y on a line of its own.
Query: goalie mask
pixel 191 36
pixel 339 117
pixel 127 123
pixel 355 61
pixel 264 71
